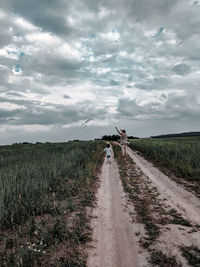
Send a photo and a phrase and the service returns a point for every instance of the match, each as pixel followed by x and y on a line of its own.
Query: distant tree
pixel 115 137
pixel 133 137
pixel 188 134
pixel 110 137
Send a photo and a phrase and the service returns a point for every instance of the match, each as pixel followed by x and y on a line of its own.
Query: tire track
pixel 114 242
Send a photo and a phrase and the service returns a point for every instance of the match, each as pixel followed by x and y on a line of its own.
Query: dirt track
pixel 114 241
pixel 177 197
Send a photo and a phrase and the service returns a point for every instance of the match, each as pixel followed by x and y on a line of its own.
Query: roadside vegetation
pixel 44 192
pixel 180 155
pixel 192 254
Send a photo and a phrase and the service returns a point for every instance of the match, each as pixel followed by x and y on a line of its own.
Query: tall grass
pixel 181 155
pixel 29 173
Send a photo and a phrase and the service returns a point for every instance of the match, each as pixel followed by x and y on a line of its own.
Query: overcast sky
pixel 130 63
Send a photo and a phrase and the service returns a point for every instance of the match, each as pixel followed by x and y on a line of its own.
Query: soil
pixel 116 237
pixel 175 194
pixel 115 243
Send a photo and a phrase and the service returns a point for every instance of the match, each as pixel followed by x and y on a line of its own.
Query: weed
pixel 192 254
pixel 158 258
pixel 178 219
pixel 24 257
pixel 72 260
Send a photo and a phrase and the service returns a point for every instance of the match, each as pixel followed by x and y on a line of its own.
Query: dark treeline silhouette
pixel 115 137
pixel 133 137
pixel 28 143
pixel 188 134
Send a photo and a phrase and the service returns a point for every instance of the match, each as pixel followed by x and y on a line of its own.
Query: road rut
pixel 114 242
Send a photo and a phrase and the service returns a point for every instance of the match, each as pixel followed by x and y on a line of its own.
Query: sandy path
pixel 114 242
pixel 176 196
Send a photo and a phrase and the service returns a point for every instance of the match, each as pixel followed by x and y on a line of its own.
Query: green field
pixel 41 186
pixel 180 155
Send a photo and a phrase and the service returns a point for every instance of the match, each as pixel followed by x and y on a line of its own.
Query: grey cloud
pixel 113 82
pixel 5 37
pixel 188 48
pixel 130 38
pixel 156 83
pixel 15 94
pixel 33 113
pixel 128 108
pixel 7 116
pixel 66 97
pixel 185 106
pixel 181 69
pixel 48 117
pixel 51 66
pixel 173 106
pixel 49 15
pixel 140 10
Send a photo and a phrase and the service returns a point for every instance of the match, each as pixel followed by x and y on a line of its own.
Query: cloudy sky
pixel 131 63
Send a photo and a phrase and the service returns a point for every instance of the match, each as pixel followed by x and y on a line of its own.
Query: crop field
pixel 44 192
pixel 181 155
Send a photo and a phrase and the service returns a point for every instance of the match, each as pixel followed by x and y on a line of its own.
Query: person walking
pixel 123 140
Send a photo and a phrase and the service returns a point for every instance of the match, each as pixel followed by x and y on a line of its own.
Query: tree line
pixel 115 137
pixel 188 134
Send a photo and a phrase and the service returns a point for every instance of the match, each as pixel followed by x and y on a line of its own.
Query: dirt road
pixel 175 194
pixel 114 240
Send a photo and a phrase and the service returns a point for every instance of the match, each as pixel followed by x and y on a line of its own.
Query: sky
pixel 134 64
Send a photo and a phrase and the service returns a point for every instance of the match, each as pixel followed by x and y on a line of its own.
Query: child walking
pixel 108 153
